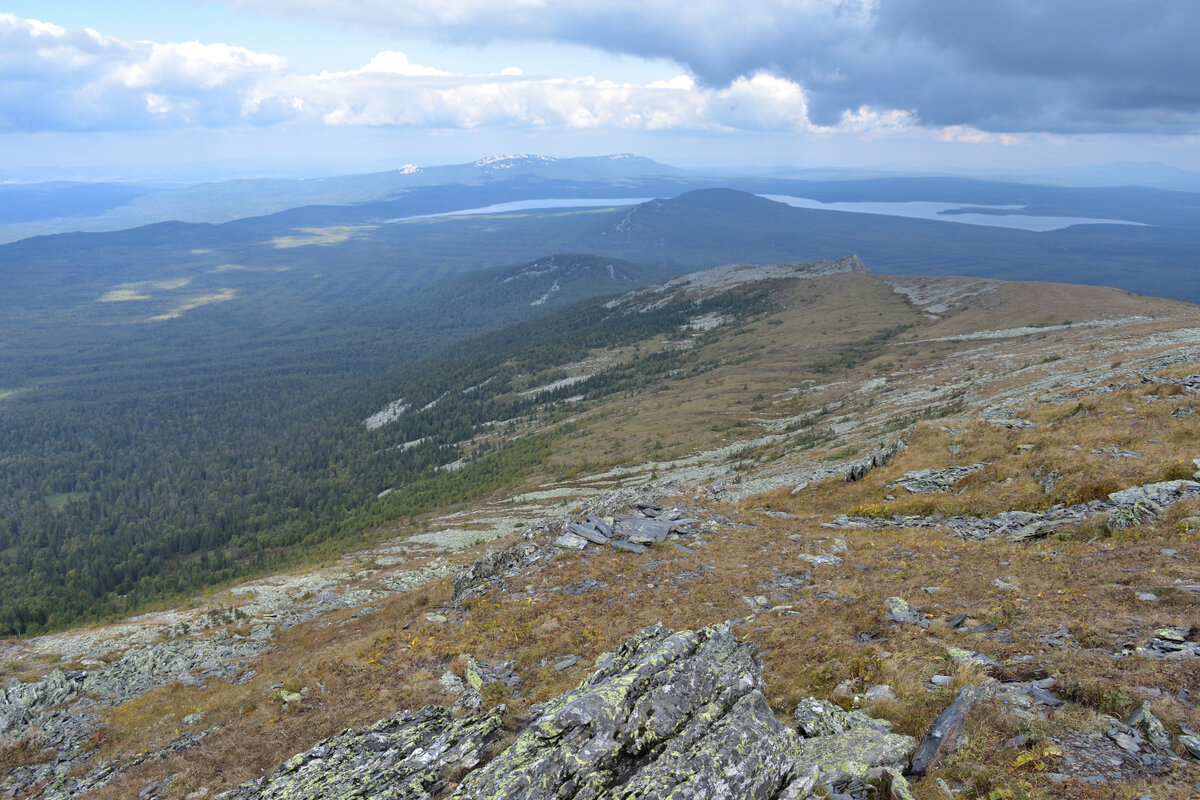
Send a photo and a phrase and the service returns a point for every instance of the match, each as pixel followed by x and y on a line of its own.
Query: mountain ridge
pixel 710 424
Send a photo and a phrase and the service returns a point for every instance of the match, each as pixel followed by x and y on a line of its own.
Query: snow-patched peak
pixel 512 160
pixel 408 169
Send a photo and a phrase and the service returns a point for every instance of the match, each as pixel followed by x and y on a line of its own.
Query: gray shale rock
pixel 946 734
pixel 1123 509
pixel 60 712
pixel 845 761
pixel 134 674
pixel 935 481
pixel 495 566
pixel 643 530
pixel 407 757
pixel 1144 720
pixel 64 786
pixel 897 609
pixel 1190 741
pixel 879 458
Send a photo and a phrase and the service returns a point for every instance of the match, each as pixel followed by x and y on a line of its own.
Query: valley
pixel 994 544
pixel 182 401
pixel 599 401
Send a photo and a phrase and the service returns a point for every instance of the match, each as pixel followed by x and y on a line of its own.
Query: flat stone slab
pixel 643 531
pixel 589 532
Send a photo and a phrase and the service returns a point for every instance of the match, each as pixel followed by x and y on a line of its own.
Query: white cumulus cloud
pixel 52 78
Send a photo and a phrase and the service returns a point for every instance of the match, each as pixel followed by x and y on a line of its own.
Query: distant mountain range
pixel 126 206
pixel 29 209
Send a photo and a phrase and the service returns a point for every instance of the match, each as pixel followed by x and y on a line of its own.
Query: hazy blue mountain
pixel 1130 173
pixel 235 199
pixel 30 202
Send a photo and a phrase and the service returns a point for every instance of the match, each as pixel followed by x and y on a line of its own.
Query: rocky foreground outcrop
pixel 60 712
pixel 668 715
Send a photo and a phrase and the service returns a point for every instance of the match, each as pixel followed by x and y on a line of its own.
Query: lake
pixel 938 212
pixel 917 209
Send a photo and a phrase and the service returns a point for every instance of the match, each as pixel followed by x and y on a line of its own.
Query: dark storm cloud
pixel 1000 65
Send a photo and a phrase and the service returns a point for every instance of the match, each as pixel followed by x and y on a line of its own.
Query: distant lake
pixel 991 216
pixel 950 212
pixel 528 205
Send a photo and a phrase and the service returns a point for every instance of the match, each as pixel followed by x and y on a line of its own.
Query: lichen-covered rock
pixel 495 566
pixel 850 757
pixel 406 757
pixel 1143 718
pixel 821 718
pixel 897 609
pixel 1190 741
pixel 669 715
pixel 60 712
pixel 67 785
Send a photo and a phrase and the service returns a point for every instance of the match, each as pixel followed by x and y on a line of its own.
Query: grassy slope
pixel 1080 579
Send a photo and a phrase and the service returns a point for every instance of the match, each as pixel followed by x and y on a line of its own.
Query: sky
pixel 139 89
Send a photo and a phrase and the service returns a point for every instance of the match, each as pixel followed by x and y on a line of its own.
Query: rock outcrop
pixel 934 481
pixel 1123 509
pixel 406 757
pixel 879 458
pixel 63 709
pixel 668 715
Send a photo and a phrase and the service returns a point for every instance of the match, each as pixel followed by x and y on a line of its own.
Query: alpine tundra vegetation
pixel 795 530
pixel 376 425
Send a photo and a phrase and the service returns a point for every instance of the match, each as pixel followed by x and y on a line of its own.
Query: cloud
pixel 998 66
pixel 52 78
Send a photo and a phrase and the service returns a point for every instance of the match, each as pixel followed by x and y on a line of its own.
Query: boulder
pixel 588 531
pixel 571 541
pixel 601 524
pixel 850 757
pixel 821 718
pixel 897 609
pixel 880 693
pixel 643 531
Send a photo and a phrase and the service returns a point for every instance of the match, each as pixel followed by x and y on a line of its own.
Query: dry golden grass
pixel 358 670
pixel 373 666
pixel 757 368
pixel 1136 420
